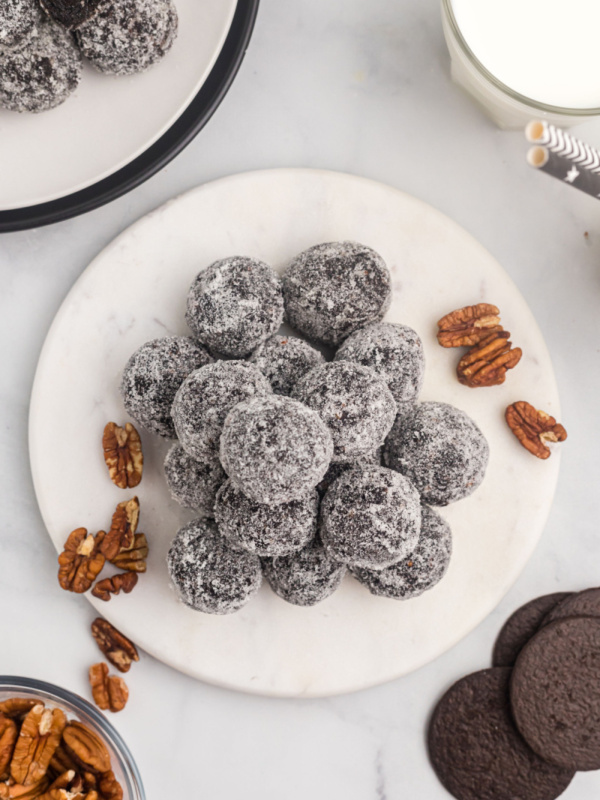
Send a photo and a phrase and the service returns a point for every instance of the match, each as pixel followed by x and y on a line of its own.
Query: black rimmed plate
pixel 94 167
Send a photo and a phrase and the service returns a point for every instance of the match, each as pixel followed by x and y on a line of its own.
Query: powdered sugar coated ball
pixel 42 74
pixel 266 530
pixel 125 37
pixel 284 360
pixel 234 305
pixel 418 572
pixel 440 449
pixel 304 578
pixel 274 449
pixel 207 396
pixel 333 289
pixel 371 517
pixel 207 573
pixel 193 484
pixel 355 404
pixel 18 19
pixel 395 352
pixel 152 377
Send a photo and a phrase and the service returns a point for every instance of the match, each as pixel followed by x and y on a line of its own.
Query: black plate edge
pixel 170 144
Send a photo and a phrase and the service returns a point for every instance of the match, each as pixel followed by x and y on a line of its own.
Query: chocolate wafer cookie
pixel 581 604
pixel 521 626
pixel 477 752
pixel 555 693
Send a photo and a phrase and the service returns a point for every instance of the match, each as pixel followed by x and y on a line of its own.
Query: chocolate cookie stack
pixel 524 727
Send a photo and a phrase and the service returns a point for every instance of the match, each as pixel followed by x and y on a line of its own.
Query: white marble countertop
pixel 363 88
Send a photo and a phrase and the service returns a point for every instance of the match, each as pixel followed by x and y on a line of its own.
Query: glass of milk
pixel 521 59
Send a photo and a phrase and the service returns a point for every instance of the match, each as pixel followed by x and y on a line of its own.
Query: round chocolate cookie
pixel 333 289
pixel 207 573
pixel 206 397
pixel 578 604
pixel 193 484
pixel 266 530
pixel 476 751
pixel 125 37
pixel 440 449
pixel 70 14
pixel 152 377
pixel 395 352
pixel 274 449
pixel 283 360
pixel 354 403
pixel 419 571
pixel 371 517
pixel 234 305
pixel 18 20
pixel 41 75
pixel 555 693
pixel 337 468
pixel 304 578
pixel 521 626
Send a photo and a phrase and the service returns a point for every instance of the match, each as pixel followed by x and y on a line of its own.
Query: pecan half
pixel 467 326
pixel 123 455
pixel 122 529
pixel 16 707
pixel 86 747
pixel 116 647
pixel 534 428
pixel 81 562
pixel 486 364
pixel 110 787
pixel 8 737
pixel 109 691
pixel 134 560
pixel 61 762
pixel 126 581
pixel 39 737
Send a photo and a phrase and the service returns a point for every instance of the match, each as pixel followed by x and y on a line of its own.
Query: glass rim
pixel 8 683
pixel 521 98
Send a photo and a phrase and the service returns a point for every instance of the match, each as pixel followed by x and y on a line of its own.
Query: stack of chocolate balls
pixel 302 463
pixel 43 43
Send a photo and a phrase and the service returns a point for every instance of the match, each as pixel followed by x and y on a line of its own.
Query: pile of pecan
pixel 85 555
pixel 491 353
pixel 44 755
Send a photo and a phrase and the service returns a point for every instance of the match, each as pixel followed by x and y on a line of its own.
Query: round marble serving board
pixel 109 121
pixel 135 290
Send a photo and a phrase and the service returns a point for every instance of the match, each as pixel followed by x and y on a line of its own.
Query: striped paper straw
pixel 563 156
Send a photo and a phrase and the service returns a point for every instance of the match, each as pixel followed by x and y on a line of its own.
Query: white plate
pixel 136 289
pixel 108 121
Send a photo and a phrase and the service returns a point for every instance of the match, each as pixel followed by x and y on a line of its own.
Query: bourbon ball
pixel 395 352
pixel 333 289
pixel 275 449
pixel 283 360
pixel 440 449
pixel 304 578
pixel 152 377
pixel 370 517
pixel 234 305
pixel 207 573
pixel 193 484
pixel 205 398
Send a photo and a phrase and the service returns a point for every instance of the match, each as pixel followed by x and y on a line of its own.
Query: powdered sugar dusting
pixel 193 484
pixel 304 578
pixel 284 360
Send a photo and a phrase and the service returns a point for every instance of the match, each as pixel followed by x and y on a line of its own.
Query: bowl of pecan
pixel 55 746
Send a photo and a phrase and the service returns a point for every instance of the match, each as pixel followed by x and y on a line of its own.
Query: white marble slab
pixel 136 291
pixel 356 87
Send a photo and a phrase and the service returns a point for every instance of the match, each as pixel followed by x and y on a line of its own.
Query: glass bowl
pixel 75 707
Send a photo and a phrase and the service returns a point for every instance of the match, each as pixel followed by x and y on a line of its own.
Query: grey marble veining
pixel 354 87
